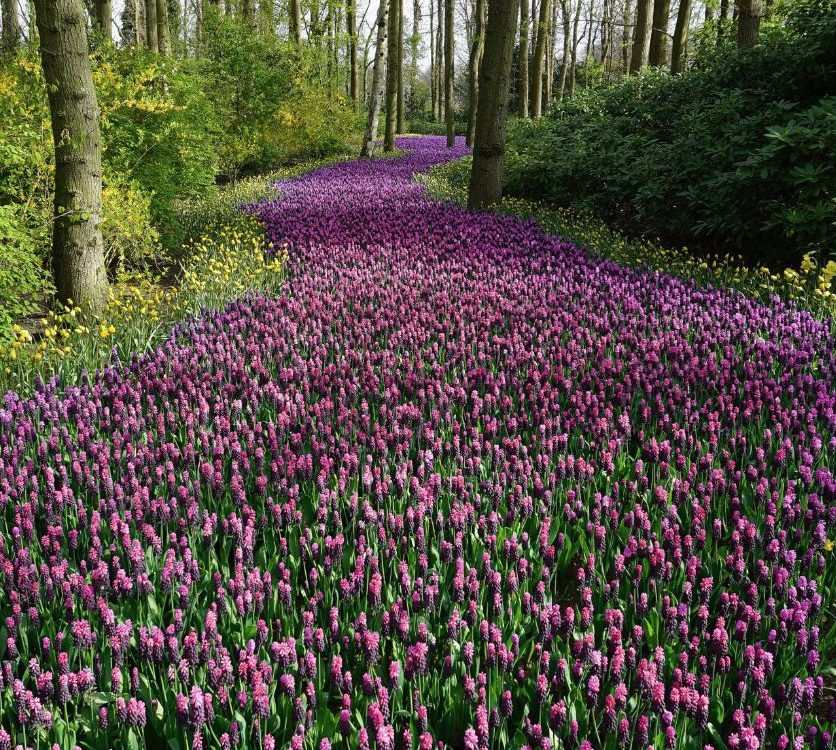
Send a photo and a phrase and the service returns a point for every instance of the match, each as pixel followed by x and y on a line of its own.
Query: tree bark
pixel 433 61
pixel 522 87
pixel 449 73
pixel 295 23
pixel 151 29
pixel 400 45
pixel 378 80
pixel 641 36
pixel 353 75
pixel 415 54
pixel 551 47
pixel 564 65
pixel 476 52
pixel 141 31
pixel 539 59
pixel 77 250
pixel 163 28
pixel 625 36
pixel 267 16
pixel 104 19
pixel 749 14
pixel 680 36
pixel 392 79
pixel 658 55
pixel 10 38
pixel 439 57
pixel 492 112
pixel 574 58
pixel 723 19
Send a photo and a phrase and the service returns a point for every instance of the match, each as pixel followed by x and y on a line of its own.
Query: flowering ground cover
pixel 460 485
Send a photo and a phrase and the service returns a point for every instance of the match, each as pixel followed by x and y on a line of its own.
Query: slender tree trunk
pixel 378 80
pixel 539 59
pixel 449 73
pixel 414 54
pixel 492 112
pixel 353 76
pixel 522 86
pixel 550 54
pixel 567 31
pixel 641 36
pixel 605 33
pixel 433 61
pixel 476 52
pixel 439 57
pixel 295 23
pixel 104 19
pixel 151 29
pixel 247 11
pixel 680 36
pixel 723 19
pixel 573 69
pixel 267 17
pixel 626 52
pixel 163 29
pixel 77 250
pixel 392 79
pixel 10 39
pixel 749 14
pixel 139 16
pixel 400 119
pixel 658 54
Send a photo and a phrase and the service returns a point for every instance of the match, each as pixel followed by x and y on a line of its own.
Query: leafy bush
pixel 733 156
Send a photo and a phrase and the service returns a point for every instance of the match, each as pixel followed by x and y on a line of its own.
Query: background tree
pixel 10 35
pixel 539 59
pixel 77 249
pixel 163 28
pixel 392 77
pixel 749 14
pixel 522 85
pixel 151 27
pixel 492 112
pixel 449 72
pixel 400 45
pixel 378 80
pixel 439 58
pixel 104 18
pixel 641 36
pixel 295 22
pixel 680 36
pixel 658 54
pixel 476 51
pixel 351 30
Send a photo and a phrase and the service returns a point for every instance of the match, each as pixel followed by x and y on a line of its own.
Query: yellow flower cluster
pixel 229 261
pixel 811 286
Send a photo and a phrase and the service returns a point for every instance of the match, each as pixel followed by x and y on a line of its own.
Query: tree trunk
pixel 139 16
pixel 749 14
pixel 539 59
pixel 522 87
pixel 163 28
pixel 104 19
pixel 10 38
pixel 295 23
pixel 476 52
pixel 605 33
pixel 550 54
pixel 247 12
pixel 492 112
pixel 400 119
pixel 723 19
pixel 77 250
pixel 658 54
pixel 680 36
pixel 267 17
pixel 564 65
pixel 415 54
pixel 574 62
pixel 641 36
pixel 433 61
pixel 625 36
pixel 353 76
pixel 439 57
pixel 449 73
pixel 378 80
pixel 392 79
pixel 151 30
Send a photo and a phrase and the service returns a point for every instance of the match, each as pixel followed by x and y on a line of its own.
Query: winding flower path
pixel 462 484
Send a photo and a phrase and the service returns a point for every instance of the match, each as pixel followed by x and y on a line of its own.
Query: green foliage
pixel 733 156
pixel 420 126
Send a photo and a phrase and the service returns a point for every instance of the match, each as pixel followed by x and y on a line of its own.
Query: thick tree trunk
pixel 492 113
pixel 641 36
pixel 539 59
pixel 353 75
pixel 378 80
pixel 658 55
pixel 295 23
pixel 392 79
pixel 449 73
pixel 77 251
pixel 141 31
pixel 680 36
pixel 401 114
pixel 10 38
pixel 163 28
pixel 104 19
pixel 476 52
pixel 151 30
pixel 522 86
pixel 749 14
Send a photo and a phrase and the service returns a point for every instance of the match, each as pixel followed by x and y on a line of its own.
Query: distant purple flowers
pixel 461 485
